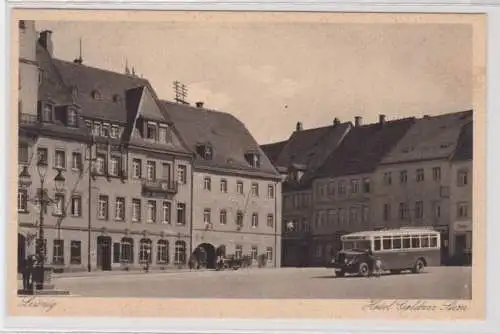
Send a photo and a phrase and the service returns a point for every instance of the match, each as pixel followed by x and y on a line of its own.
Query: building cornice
pixel 236 173
pixel 28 61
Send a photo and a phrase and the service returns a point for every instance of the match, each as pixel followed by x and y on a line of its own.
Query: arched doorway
pixel 21 252
pixel 205 255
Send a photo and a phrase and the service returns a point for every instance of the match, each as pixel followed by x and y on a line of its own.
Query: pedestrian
pixel 28 273
pixel 371 261
pixel 378 267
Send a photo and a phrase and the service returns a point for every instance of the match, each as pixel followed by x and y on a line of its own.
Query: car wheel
pixel 364 270
pixel 339 274
pixel 419 266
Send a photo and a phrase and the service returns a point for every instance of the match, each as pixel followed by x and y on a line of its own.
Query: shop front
pixel 462 243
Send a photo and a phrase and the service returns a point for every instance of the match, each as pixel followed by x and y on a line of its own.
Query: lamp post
pixel 59 181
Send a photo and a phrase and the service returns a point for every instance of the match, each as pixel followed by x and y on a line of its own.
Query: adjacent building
pixel 236 190
pixel 298 159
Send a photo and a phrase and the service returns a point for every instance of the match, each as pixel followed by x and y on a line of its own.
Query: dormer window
pixel 205 151
pixel 47 112
pixel 116 98
pixel 115 131
pixel 96 95
pixel 151 131
pixel 72 117
pixel 165 136
pixel 253 159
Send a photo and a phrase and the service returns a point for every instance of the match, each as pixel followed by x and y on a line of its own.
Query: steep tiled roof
pixel 363 148
pixel 52 86
pixel 227 135
pixel 464 151
pixel 273 150
pixel 433 137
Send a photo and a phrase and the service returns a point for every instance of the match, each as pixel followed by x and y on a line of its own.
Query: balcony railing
pixel 159 186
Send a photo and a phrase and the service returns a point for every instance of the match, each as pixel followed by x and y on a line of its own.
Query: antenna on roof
pixel 127 71
pixel 180 92
pixel 133 70
pixel 79 60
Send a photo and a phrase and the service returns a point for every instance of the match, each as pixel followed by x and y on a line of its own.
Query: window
pixel 162 252
pixel 238 251
pixel 75 252
pixel 76 206
pixel 72 118
pixel 223 217
pixel 96 130
pixel 403 211
pixel 223 186
pixel 462 178
pixel 433 241
pixel 420 175
pixel 396 243
pixel 120 209
pixel 180 252
pixel 47 112
pixel 365 213
pixel 436 210
pixel 58 252
pixel 255 189
pixel 22 200
pixel 253 253
pixel 415 241
pixel 239 187
pixel 269 253
pixel 105 130
pixel 151 131
pixel 270 220
pixel 403 177
pixel 387 212
pixel 76 161
pixel 206 216
pixel 387 242
pixel 100 164
pixel 59 205
pixel 151 218
pixel 166 169
pixel 207 183
pixel 387 178
pixel 165 135
pixel 366 185
pixel 353 219
pixel 436 173
pixel 239 218
pixel 377 245
pixel 342 188
pixel 127 250
pixel 23 153
pixel 253 159
pixel 145 251
pixel 419 210
pixel 114 131
pixel 137 168
pixel 136 210
pixel 354 186
pixel 406 242
pixel 424 241
pixel 206 152
pixel 166 213
pixel 96 95
pixel 463 210
pixel 43 156
pixel 181 213
pixel 116 252
pixel 255 220
pixel 60 159
pixel 114 169
pixel 270 191
pixel 181 174
pixel 102 207
pixel 151 170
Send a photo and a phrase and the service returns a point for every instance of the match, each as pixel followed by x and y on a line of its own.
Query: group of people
pixel 374 264
pixel 27 272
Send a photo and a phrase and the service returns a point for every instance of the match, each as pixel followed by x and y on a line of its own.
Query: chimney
pixel 45 40
pixel 298 127
pixel 336 121
pixel 199 104
pixel 357 121
pixel 381 119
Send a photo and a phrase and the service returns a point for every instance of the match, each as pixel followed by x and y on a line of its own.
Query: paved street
pixel 435 283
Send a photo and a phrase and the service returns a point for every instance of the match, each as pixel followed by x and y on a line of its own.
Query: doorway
pixel 205 254
pixel 104 253
pixel 460 247
pixel 21 252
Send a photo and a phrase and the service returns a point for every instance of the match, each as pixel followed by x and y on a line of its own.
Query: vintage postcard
pixel 247 165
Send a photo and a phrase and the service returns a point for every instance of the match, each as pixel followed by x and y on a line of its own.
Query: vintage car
pixel 351 261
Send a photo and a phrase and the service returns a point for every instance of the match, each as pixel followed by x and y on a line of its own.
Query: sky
pixel 273 75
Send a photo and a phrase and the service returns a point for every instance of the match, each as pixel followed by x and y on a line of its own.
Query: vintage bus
pixel 397 249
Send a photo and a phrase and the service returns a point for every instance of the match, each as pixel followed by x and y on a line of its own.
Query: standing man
pixel 28 273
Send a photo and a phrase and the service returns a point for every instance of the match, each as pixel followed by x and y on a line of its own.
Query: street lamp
pixel 24 176
pixel 59 181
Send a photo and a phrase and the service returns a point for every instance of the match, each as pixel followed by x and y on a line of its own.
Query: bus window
pixel 406 242
pixel 434 241
pixel 424 243
pixel 377 245
pixel 415 241
pixel 396 243
pixel 387 243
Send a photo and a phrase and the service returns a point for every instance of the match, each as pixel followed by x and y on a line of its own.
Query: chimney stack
pixel 336 121
pixel 357 121
pixel 299 126
pixel 45 40
pixel 381 119
pixel 199 104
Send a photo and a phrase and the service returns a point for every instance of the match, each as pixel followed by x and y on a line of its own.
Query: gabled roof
pixel 363 148
pixel 431 137
pixel 52 86
pixel 464 151
pixel 273 150
pixel 227 135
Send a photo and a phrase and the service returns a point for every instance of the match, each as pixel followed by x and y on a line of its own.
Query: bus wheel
pixel 364 270
pixel 419 266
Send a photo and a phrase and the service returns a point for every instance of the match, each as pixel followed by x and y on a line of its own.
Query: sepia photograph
pixel 224 156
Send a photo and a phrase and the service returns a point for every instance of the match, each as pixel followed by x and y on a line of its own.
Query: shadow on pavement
pixel 357 276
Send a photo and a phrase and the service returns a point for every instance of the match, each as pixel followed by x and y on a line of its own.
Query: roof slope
pixel 465 147
pixel 52 86
pixel 227 135
pixel 363 148
pixel 273 150
pixel 433 137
